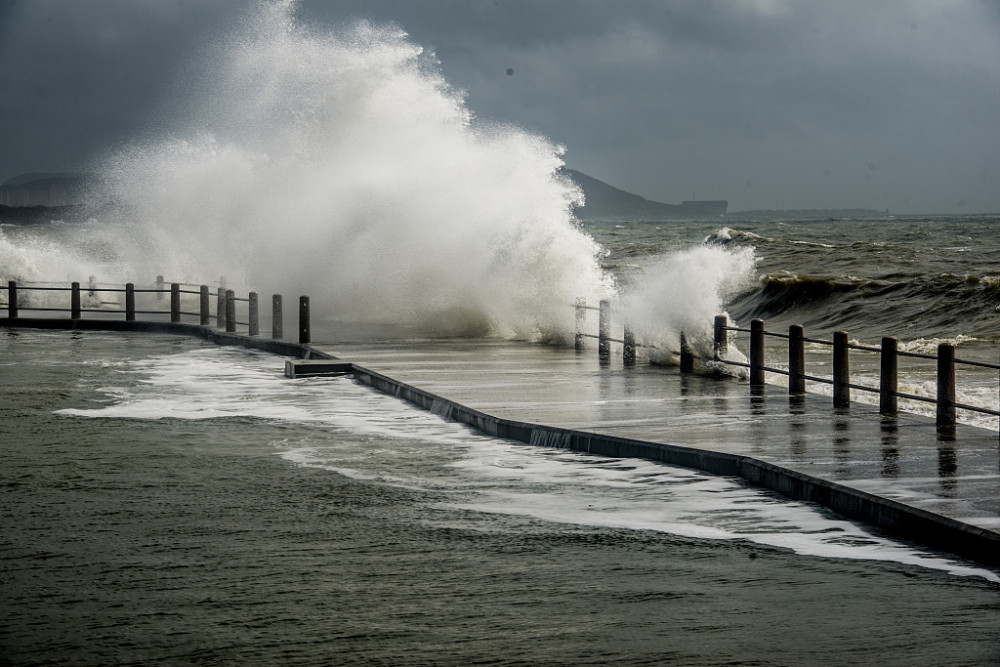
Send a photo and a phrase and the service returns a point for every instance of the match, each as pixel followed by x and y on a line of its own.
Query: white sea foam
pixel 379 438
pixel 683 291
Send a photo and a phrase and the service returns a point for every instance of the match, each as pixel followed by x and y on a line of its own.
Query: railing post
pixel 129 302
pixel 687 359
pixel 841 370
pixel 159 288
pixel 628 348
pixel 757 354
pixel 796 360
pixel 204 305
pixel 581 317
pixel 604 331
pixel 721 347
pixel 946 385
pixel 253 319
pixel 277 326
pixel 175 302
pixel 304 334
pixel 74 302
pixel 888 377
pixel 12 299
pixel 220 309
pixel 230 311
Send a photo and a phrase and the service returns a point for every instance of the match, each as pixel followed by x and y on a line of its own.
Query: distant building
pixel 45 190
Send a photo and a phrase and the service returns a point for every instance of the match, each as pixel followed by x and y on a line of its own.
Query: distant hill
pixel 811 213
pixel 605 201
pixel 45 189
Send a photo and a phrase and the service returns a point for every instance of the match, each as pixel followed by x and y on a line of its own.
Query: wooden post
pixel 581 318
pixel 841 370
pixel 628 348
pixel 757 354
pixel 175 302
pixel 721 347
pixel 159 288
pixel 74 302
pixel 220 309
pixel 304 334
pixel 254 321
pixel 204 307
pixel 129 302
pixel 687 359
pixel 12 299
pixel 888 377
pixel 230 311
pixel 796 360
pixel 604 331
pixel 277 327
pixel 946 385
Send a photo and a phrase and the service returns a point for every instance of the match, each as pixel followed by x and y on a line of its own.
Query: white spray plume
pixel 683 291
pixel 341 165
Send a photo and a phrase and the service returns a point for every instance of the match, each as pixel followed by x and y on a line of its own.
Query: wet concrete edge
pixel 280 347
pixel 920 526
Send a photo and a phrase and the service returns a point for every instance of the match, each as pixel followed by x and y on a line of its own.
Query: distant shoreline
pixel 40 215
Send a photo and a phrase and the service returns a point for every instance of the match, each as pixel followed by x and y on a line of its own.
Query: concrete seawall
pixel 903 519
pixel 897 518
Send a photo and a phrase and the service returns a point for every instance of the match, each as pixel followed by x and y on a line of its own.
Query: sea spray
pixel 341 164
pixel 682 292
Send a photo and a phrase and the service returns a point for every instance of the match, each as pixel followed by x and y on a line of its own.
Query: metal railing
pixel 888 391
pixel 224 312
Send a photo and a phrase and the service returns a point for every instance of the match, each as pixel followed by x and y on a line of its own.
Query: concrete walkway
pixel 953 479
pixel 901 474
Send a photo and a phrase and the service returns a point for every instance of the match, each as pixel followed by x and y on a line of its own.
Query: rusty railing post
pixel 946 385
pixel 175 302
pixel 888 383
pixel 129 302
pixel 305 335
pixel 604 331
pixel 277 326
pixel 580 311
pixel 721 339
pixel 12 299
pixel 628 347
pixel 254 322
pixel 841 370
pixel 757 354
pixel 204 306
pixel 230 311
pixel 796 360
pixel 74 302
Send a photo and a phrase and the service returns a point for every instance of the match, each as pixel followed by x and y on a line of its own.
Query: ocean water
pixel 925 280
pixel 169 502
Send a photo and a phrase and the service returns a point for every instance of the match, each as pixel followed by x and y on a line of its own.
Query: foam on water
pixel 365 435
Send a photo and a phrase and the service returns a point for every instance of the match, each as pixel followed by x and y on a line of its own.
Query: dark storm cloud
pixel 79 76
pixel 768 103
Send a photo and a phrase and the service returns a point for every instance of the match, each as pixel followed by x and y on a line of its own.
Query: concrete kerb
pixel 278 347
pixel 908 522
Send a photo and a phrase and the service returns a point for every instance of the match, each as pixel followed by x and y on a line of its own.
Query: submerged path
pixel 901 474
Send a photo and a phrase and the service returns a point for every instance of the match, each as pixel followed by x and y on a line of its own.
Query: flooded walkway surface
pixel 904 459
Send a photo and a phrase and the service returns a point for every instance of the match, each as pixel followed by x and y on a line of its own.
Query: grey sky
pixel 768 103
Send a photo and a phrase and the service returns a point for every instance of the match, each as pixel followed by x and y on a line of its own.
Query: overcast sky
pixel 767 103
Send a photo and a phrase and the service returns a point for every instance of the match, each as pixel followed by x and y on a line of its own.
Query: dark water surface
pixel 180 541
